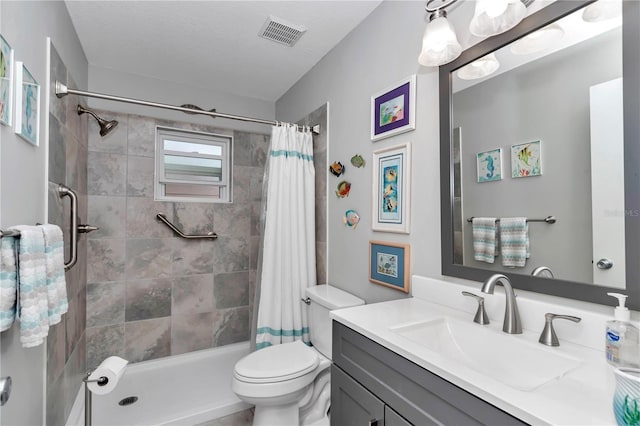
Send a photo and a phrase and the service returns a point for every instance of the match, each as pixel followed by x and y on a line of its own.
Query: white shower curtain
pixel 288 249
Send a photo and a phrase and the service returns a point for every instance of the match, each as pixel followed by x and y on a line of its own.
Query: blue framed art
pixel 489 165
pixel 27 93
pixel 389 264
pixel 392 189
pixel 393 110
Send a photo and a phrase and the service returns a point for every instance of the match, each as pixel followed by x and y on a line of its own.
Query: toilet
pixel 290 383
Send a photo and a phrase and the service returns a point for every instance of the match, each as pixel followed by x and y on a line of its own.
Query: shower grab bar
pixel 210 235
pixel 549 219
pixel 64 191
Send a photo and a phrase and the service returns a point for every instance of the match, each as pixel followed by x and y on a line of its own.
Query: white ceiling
pixel 212 44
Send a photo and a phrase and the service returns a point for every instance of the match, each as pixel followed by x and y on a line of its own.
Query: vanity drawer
pixel 416 394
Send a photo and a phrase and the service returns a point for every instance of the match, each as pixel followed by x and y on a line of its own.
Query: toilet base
pixel 277 415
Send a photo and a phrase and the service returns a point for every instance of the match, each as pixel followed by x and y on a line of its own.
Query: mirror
pixel 549 133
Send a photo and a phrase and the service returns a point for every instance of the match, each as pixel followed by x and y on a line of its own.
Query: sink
pixel 508 358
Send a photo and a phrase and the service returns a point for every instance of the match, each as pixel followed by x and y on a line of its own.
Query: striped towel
pixel 485 243
pixel 514 239
pixel 8 282
pixel 56 284
pixel 32 286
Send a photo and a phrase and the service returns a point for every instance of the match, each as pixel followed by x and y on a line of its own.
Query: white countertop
pixel 584 396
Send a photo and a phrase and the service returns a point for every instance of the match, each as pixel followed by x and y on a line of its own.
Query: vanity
pixel 423 361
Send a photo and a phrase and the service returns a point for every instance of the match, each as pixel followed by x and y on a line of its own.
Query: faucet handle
pixel 548 336
pixel 481 315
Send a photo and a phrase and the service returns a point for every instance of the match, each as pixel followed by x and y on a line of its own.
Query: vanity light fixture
pixel 496 16
pixel 538 40
pixel 602 10
pixel 440 44
pixel 479 68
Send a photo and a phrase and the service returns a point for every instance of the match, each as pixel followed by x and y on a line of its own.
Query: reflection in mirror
pixel 540 133
pixel 551 122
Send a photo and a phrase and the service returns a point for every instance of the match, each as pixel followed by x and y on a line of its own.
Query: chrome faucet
pixel 542 271
pixel 511 323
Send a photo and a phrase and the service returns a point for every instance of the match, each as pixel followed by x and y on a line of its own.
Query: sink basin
pixel 507 358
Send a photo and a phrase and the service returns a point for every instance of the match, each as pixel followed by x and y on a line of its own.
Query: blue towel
pixel 514 239
pixel 33 310
pixel 485 243
pixel 8 282
pixel 56 284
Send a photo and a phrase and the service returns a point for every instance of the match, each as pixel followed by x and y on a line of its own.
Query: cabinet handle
pixel 373 422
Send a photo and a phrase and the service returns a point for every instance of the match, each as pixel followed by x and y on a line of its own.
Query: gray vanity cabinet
pixel 370 382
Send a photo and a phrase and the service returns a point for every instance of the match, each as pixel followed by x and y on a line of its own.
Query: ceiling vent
pixel 281 31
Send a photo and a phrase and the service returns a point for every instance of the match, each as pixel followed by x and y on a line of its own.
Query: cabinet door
pixel 351 404
pixel 391 418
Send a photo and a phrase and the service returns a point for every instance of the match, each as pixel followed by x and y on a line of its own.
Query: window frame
pixel 225 184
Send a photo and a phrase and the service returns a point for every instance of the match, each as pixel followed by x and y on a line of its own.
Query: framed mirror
pixel 552 135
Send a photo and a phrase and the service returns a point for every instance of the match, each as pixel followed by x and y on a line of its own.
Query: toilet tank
pixel 325 298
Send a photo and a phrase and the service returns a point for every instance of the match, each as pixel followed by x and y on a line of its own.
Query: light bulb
pixel 479 68
pixel 496 16
pixel 439 43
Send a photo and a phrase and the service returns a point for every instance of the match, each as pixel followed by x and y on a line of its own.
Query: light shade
pixel 538 40
pixel 602 10
pixel 479 68
pixel 439 43
pixel 496 16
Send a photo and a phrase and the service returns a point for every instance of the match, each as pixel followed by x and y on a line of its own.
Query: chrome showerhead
pixel 105 126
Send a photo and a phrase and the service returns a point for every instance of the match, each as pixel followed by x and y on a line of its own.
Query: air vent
pixel 281 31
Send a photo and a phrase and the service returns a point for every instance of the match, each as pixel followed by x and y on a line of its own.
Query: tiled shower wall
pixel 66 354
pixel 151 294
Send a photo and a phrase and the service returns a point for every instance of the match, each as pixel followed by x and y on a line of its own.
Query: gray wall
pixel 379 52
pixel 23 179
pixel 545 100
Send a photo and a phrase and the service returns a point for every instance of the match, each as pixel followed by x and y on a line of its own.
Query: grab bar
pixel 64 191
pixel 210 235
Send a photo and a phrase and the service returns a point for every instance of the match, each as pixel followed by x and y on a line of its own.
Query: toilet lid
pixel 277 363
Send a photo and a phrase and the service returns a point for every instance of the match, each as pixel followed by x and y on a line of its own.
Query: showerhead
pixel 105 126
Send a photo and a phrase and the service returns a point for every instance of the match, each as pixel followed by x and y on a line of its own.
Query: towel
pixel 33 309
pixel 8 282
pixel 514 239
pixel 56 284
pixel 485 243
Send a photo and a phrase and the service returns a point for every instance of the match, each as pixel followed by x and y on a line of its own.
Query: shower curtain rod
pixel 62 90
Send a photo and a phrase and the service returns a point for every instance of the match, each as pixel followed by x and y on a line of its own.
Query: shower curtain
pixel 287 262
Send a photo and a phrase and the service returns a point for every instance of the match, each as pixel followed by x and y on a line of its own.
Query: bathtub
pixel 180 390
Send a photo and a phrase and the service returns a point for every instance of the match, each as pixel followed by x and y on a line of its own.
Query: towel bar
pixel 549 219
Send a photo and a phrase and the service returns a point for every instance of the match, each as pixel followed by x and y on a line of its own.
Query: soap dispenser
pixel 622 337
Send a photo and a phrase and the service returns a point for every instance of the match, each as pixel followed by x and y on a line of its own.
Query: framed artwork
pixel 392 189
pixel 389 264
pixel 27 123
pixel 489 165
pixel 393 110
pixel 6 82
pixel 526 159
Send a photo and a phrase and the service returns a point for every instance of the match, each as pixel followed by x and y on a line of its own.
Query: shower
pixel 105 126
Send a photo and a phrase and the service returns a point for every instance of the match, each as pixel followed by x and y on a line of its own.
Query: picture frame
pixel 6 82
pixel 392 189
pixel 489 165
pixel 27 94
pixel 393 110
pixel 526 159
pixel 389 264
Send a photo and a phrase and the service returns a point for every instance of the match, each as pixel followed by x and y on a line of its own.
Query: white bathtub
pixel 178 390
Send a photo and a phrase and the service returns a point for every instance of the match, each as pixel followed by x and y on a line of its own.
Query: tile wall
pixel 149 293
pixel 66 354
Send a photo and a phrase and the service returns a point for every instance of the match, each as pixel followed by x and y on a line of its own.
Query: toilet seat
pixel 277 363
